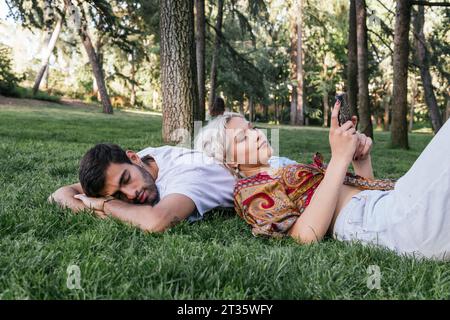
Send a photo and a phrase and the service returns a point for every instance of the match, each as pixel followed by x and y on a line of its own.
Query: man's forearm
pixel 64 198
pixel 144 217
pixel 363 168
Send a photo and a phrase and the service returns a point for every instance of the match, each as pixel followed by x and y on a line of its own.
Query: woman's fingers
pixel 351 130
pixel 346 126
pixel 355 121
pixel 334 115
pixel 367 148
pixel 360 148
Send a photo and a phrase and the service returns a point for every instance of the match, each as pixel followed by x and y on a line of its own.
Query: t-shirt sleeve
pixel 208 187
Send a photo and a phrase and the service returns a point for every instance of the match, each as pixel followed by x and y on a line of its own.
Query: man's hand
pixel 63 197
pixel 95 204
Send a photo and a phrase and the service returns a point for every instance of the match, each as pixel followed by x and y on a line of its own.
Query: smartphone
pixel 344 112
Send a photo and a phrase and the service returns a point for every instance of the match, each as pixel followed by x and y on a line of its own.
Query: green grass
pixel 217 258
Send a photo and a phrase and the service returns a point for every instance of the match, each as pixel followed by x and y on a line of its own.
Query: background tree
pixel 81 20
pixel 50 42
pixel 215 55
pixel 200 55
pixel 352 65
pixel 364 112
pixel 399 128
pixel 178 69
pixel 422 59
pixel 297 104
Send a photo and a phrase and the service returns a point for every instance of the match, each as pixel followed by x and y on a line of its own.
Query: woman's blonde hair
pixel 211 139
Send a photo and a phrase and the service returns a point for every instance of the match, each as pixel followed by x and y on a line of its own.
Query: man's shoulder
pixel 177 156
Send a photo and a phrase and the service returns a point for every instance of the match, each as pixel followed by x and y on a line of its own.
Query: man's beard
pixel 149 187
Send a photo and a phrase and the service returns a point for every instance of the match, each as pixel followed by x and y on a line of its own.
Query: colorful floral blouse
pixel 272 202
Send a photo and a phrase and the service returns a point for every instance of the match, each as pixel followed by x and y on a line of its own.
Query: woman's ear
pixel 133 157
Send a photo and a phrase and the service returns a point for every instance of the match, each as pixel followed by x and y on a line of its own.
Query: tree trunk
pixel 422 59
pixel 46 77
pixel 277 117
pixel 296 107
pixel 133 80
pixel 386 113
pixel 215 57
pixel 98 50
pixel 326 109
pixel 399 128
pixel 47 54
pixel 93 59
pixel 413 104
pixel 352 66
pixel 178 69
pixel 365 122
pixel 266 112
pixel 447 109
pixel 92 55
pixel 299 120
pixel 251 108
pixel 241 106
pixel 293 113
pixel 200 50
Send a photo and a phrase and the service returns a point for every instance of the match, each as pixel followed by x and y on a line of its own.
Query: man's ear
pixel 133 157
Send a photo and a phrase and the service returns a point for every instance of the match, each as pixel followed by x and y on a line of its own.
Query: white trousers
pixel 414 218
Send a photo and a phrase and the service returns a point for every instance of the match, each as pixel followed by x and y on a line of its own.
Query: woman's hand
pixel 343 139
pixel 364 144
pixel 364 147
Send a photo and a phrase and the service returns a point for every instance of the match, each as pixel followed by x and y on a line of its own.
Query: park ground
pixel 218 258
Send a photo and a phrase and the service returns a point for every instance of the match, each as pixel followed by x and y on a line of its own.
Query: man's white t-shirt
pixel 192 173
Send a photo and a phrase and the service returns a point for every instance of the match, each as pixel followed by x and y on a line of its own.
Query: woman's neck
pixel 252 169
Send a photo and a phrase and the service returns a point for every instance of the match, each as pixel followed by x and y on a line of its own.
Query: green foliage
pixel 254 58
pixel 27 93
pixel 8 80
pixel 217 258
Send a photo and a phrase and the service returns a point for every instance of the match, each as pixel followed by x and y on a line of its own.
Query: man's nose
pixel 130 193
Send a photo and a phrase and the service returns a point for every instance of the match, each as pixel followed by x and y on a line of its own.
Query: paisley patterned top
pixel 272 202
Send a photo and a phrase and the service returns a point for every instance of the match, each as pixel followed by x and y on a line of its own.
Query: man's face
pixel 130 183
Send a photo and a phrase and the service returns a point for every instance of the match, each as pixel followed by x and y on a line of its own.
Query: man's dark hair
pixel 94 164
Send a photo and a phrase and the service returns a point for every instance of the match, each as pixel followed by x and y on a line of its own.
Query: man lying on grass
pixel 152 189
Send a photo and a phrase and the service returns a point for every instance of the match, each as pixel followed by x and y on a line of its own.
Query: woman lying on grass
pixel 307 202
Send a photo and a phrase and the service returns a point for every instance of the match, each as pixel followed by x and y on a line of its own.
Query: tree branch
pixel 384 6
pixel 382 40
pixel 430 4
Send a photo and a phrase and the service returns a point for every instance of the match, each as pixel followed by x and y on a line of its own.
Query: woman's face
pixel 245 144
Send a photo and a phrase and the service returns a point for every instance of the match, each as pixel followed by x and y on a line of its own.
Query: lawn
pixel 216 258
